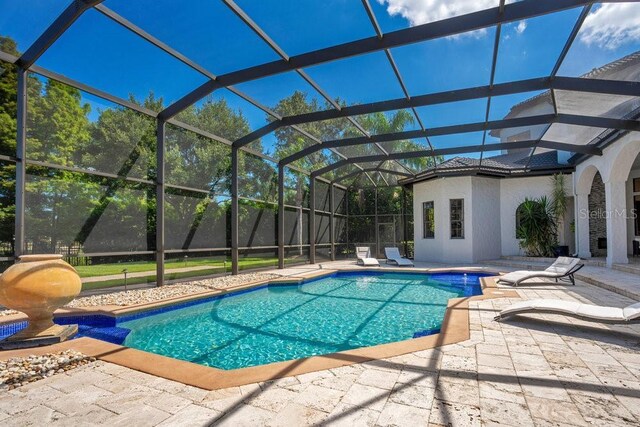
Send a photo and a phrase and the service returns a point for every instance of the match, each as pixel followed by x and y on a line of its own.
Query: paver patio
pixel 540 370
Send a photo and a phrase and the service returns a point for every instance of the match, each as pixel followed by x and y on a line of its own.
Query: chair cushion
pixel 363 252
pixel 562 265
pixel 632 312
pixel 523 274
pixel 392 252
pixel 601 313
pixel 554 305
pixel 557 305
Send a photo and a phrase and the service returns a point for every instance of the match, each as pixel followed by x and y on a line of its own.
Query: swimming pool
pixel 282 322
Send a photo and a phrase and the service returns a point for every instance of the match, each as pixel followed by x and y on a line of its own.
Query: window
pixel 636 205
pixel 456 214
pixel 428 220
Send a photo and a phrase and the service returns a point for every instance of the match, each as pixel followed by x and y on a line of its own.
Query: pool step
pixel 628 268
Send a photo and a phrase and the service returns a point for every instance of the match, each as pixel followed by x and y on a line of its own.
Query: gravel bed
pixel 7 312
pixel 19 371
pixel 149 295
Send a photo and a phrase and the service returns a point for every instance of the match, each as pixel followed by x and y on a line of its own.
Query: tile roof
pixel 501 166
pixel 596 73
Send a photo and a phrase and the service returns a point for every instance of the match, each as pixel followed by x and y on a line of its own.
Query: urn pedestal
pixel 38 285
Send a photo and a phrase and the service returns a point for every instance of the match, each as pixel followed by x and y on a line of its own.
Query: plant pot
pixel 561 251
pixel 38 285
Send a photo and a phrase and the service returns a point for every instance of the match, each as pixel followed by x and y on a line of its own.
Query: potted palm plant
pixel 537 229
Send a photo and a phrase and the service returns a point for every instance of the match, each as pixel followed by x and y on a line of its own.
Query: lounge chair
pixel 394 257
pixel 363 254
pixel 562 269
pixel 592 313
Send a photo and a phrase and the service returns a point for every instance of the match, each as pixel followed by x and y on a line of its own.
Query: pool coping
pixel 455 328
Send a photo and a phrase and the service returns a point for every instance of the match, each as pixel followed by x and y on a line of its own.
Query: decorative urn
pixel 37 285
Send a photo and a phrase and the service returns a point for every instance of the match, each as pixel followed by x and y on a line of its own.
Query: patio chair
pixel 363 254
pixel 394 257
pixel 589 312
pixel 562 269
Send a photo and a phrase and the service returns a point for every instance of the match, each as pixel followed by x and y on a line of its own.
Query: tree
pixel 8 99
pixel 8 114
pixel 198 162
pixel 123 142
pixel 57 132
pixel 290 141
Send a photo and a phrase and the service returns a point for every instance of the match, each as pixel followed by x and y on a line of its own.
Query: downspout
pixel 576 234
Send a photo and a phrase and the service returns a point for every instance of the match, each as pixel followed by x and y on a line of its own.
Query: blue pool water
pixel 284 322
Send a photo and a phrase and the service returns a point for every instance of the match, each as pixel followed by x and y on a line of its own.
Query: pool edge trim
pixel 455 328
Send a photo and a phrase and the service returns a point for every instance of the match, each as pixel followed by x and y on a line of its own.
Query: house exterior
pixel 490 200
pixel 481 197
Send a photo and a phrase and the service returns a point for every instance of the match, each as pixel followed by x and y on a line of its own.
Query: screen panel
pixel 307 25
pixel 7 210
pixel 450 63
pixel 197 162
pixel 8 107
pixel 23 22
pixel 208 33
pixel 69 127
pixel 607 44
pixel 531 47
pixel 323 234
pixel 149 71
pixel 196 220
pixel 64 209
pixel 257 224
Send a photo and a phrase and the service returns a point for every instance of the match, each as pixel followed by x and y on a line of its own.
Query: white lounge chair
pixel 562 269
pixel 394 257
pixel 363 254
pixel 592 313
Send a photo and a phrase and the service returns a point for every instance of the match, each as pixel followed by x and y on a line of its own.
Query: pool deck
pixel 534 370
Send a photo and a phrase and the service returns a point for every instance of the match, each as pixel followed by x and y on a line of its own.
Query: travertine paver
pixel 541 370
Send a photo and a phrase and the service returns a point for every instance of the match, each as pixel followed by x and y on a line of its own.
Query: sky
pixel 100 53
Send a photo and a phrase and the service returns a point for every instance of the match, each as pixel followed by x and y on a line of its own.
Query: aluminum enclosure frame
pixel 496 16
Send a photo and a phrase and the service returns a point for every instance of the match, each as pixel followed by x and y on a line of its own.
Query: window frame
pixel 453 221
pixel 432 220
pixel 635 193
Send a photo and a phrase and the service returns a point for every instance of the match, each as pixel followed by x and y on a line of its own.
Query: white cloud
pixel 522 25
pixel 612 25
pixel 419 12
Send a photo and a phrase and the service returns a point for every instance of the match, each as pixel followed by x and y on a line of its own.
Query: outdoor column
pixel 375 221
pixel 332 222
pixel 280 216
pixel 346 219
pixel 312 220
pixel 616 211
pixel 234 211
pixel 582 225
pixel 160 134
pixel 403 218
pixel 21 143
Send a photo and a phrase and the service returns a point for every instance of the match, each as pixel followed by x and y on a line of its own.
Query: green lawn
pixel 138 266
pixel 150 267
